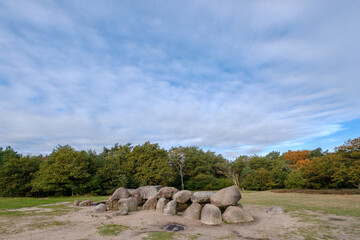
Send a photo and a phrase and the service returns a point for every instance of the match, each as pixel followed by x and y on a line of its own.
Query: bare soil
pixel 82 223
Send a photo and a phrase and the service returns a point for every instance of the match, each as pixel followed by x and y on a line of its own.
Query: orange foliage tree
pixel 297 158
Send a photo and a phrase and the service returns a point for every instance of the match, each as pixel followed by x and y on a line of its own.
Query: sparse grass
pixel 159 236
pixel 112 229
pixel 346 205
pixel 21 202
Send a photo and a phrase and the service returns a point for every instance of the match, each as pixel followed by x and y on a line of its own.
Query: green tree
pixel 178 160
pixel 16 175
pixel 64 172
pixel 149 164
pixel 8 153
pixel 295 180
pixel 110 170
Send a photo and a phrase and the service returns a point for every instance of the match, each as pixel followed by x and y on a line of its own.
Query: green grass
pixel 21 202
pixel 159 236
pixel 346 205
pixel 112 229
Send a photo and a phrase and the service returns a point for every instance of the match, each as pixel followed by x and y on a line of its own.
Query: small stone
pixel 275 209
pixel 121 212
pixel 77 202
pixel 100 208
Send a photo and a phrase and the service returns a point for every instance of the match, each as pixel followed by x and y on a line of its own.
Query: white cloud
pixel 236 78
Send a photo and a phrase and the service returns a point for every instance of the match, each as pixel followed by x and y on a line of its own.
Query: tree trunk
pixel 182 181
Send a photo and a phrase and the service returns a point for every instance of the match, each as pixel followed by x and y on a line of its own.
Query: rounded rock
pixel 201 197
pixel 99 208
pixel 235 214
pixel 211 215
pixel 166 192
pixel 193 211
pixel 161 204
pixel 130 203
pixel 170 208
pixel 150 204
pixel 182 196
pixel 226 197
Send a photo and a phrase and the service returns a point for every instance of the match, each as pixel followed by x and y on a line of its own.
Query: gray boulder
pixel 77 202
pixel 236 214
pixel 201 197
pixel 99 202
pixel 182 196
pixel 226 197
pixel 120 193
pixel 166 192
pixel 99 208
pixel 113 204
pixel 161 204
pixel 275 209
pixel 170 208
pixel 211 215
pixel 146 192
pixel 86 203
pixel 121 212
pixel 128 203
pixel 150 204
pixel 193 211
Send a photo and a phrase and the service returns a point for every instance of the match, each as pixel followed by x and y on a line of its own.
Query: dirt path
pixel 82 223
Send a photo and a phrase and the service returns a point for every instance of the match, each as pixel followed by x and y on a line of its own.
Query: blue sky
pixel 236 77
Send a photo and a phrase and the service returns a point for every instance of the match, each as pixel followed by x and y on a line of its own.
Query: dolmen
pixel 211 208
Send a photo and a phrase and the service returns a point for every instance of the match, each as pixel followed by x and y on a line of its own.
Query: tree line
pixel 67 171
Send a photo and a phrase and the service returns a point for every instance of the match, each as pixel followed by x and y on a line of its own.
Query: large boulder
pixel 210 215
pixel 161 204
pixel 113 204
pixel 150 204
pixel 236 214
pixel 193 211
pixel 170 208
pixel 182 196
pixel 128 203
pixel 166 192
pixel 226 197
pixel 201 197
pixel 100 208
pixel 77 202
pixel 86 203
pixel 146 192
pixel 120 193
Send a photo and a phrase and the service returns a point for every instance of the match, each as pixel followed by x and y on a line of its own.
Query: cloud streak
pixel 236 78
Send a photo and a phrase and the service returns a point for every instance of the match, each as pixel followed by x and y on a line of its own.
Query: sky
pixel 233 77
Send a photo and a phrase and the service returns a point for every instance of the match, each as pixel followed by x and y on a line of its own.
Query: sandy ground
pixel 82 223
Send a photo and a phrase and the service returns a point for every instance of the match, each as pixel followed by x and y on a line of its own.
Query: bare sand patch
pixel 84 224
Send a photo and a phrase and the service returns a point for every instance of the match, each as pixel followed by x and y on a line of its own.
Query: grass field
pixel 21 202
pixel 346 205
pixel 314 224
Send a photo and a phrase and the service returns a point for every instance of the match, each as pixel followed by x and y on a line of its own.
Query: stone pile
pixel 211 208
